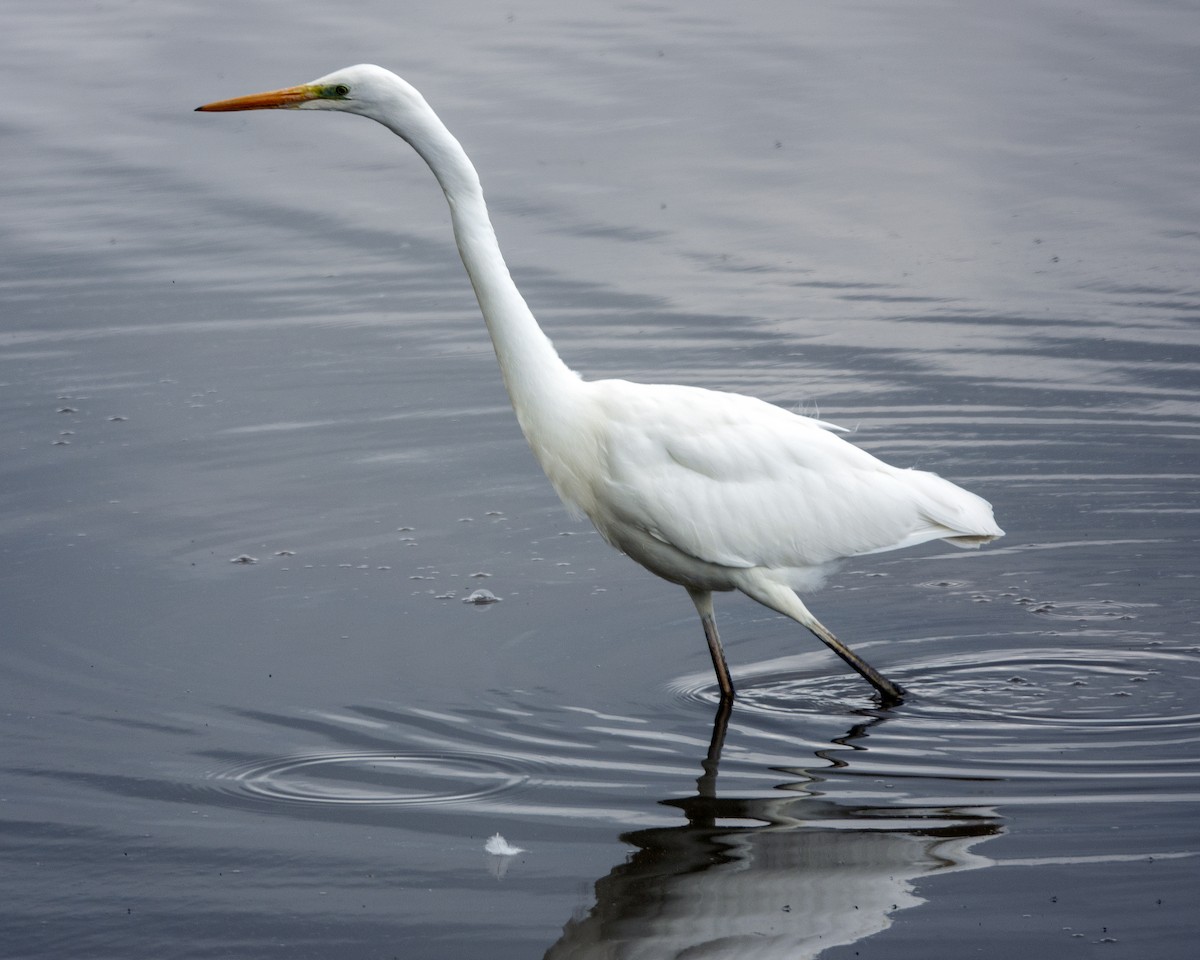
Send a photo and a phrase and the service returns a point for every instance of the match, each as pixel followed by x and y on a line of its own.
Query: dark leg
pixel 781 598
pixel 704 606
pixel 892 693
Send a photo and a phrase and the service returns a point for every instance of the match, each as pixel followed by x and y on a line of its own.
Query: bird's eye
pixel 341 90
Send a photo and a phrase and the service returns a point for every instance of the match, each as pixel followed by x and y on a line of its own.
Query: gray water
pixel 968 231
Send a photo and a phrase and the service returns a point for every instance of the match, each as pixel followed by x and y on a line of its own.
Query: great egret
pixel 709 490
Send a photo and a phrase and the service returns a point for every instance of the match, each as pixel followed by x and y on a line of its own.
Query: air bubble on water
pixel 481 598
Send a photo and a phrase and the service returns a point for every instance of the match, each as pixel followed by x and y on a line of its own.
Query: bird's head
pixel 364 89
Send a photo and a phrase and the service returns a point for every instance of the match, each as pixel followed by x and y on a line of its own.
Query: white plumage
pixel 710 490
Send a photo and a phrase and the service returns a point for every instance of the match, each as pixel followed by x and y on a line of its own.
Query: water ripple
pixel 1115 723
pixel 550 761
pixel 1025 719
pixel 374 778
pixel 1062 686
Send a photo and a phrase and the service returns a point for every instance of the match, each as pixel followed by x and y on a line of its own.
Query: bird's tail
pixel 974 542
pixel 966 518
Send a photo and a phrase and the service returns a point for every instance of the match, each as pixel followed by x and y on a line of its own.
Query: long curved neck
pixel 536 378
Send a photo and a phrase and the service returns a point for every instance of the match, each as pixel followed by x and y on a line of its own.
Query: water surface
pixel 966 232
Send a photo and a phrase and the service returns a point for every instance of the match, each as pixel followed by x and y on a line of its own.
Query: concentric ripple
pixel 375 778
pixel 1116 722
pixel 986 721
pixel 1037 684
pixel 1058 686
pixel 1084 610
pixel 560 762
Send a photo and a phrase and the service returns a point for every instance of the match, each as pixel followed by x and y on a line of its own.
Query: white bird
pixel 709 490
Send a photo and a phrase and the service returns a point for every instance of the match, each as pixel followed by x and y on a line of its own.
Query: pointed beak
pixel 271 100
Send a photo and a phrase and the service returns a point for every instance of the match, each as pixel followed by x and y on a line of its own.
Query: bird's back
pixel 736 482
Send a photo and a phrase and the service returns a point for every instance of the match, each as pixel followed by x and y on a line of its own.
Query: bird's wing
pixel 738 482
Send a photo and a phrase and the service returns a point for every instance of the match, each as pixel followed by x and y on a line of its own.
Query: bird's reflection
pixel 776 877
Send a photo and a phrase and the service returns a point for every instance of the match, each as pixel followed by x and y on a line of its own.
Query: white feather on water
pixel 500 847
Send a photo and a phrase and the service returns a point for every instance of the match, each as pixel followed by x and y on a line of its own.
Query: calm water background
pixel 970 231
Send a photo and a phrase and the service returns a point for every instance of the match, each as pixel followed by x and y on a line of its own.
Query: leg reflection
pixel 768 876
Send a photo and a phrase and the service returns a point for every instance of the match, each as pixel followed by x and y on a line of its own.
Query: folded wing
pixel 739 482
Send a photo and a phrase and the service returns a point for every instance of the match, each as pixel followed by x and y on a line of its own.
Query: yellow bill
pixel 271 100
